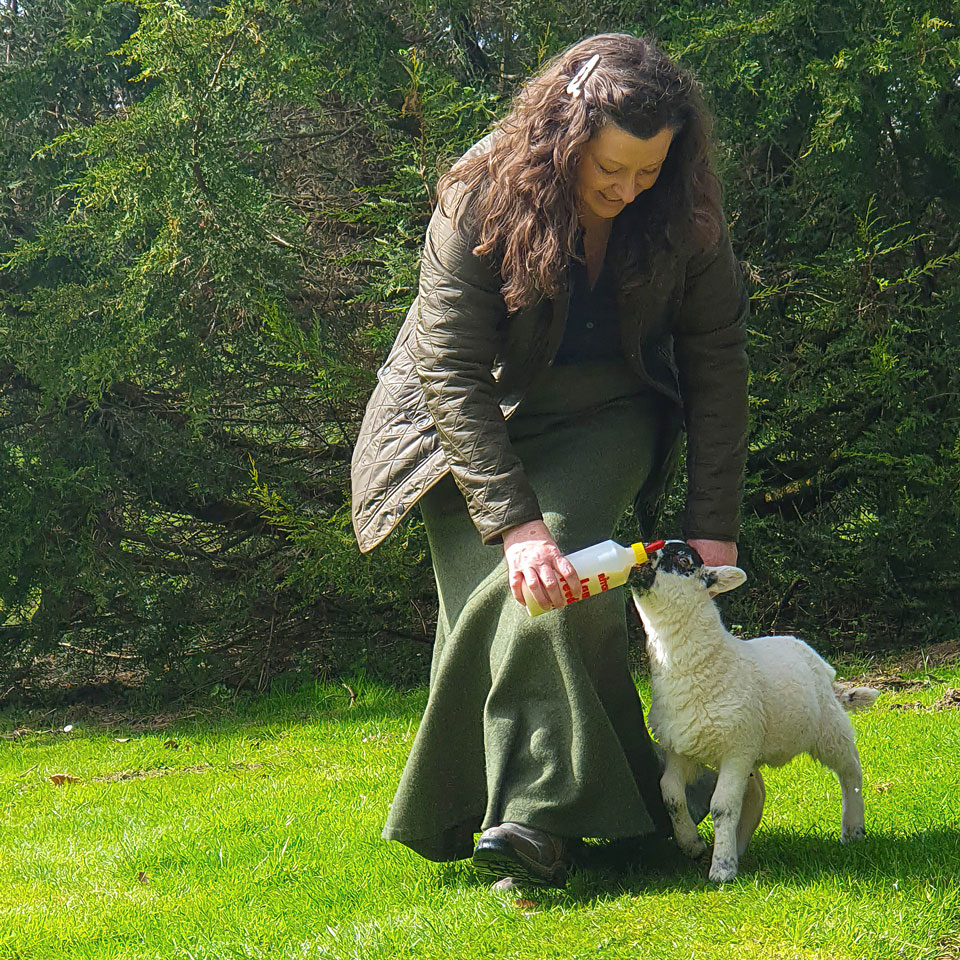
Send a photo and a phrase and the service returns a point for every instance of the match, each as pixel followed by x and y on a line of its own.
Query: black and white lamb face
pixel 677 556
pixel 676 570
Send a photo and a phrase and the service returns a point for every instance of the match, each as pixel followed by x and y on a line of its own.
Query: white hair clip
pixel 575 86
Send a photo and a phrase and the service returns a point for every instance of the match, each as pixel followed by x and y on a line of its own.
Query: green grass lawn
pixel 254 832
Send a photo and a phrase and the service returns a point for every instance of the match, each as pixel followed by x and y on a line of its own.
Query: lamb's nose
pixel 643 575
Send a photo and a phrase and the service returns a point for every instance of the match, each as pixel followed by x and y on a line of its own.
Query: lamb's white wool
pixel 734 704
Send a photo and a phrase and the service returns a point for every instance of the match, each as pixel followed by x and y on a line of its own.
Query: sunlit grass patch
pixel 255 833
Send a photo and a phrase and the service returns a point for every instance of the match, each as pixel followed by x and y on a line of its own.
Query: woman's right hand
pixel 534 558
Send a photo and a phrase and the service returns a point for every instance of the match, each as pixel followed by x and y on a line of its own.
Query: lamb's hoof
pixel 694 850
pixel 857 833
pixel 723 870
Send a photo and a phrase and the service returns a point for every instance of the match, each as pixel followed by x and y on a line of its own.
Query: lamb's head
pixel 676 577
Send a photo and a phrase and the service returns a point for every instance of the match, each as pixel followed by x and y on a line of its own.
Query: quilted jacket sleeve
pixel 460 315
pixel 710 348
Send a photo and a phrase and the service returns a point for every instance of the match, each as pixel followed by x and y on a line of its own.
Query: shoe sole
pixel 495 859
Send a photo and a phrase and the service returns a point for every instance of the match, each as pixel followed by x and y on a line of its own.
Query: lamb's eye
pixel 684 562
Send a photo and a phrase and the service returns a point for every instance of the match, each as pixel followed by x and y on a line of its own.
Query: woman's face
pixel 615 166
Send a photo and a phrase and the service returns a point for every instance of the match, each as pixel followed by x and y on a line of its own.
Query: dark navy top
pixel 592 333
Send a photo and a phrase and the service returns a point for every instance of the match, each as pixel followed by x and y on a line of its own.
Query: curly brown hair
pixel 523 190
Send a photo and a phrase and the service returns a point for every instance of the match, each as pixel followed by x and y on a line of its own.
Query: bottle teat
pixel 642 551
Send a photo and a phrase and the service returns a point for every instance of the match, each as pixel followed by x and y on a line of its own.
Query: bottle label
pixel 585 588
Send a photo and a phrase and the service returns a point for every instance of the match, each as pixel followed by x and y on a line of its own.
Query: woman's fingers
pixel 546 584
pixel 572 578
pixel 551 584
pixel 536 589
pixel 516 586
pixel 535 562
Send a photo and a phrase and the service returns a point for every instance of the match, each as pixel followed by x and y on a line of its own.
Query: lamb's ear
pixel 721 579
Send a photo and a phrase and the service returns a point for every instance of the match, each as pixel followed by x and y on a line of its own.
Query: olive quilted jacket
pixel 461 362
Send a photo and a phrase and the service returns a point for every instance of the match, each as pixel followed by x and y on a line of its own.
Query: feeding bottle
pixel 601 567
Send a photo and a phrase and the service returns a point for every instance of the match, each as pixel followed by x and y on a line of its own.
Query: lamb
pixel 733 705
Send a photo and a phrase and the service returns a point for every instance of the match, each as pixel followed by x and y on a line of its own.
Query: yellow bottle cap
pixel 639 552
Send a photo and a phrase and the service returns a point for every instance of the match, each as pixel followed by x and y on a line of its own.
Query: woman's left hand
pixel 716 553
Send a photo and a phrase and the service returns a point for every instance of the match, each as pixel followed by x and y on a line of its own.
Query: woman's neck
pixel 596 235
pixel 595 227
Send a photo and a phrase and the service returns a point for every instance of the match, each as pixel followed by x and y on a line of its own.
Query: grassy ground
pixel 254 832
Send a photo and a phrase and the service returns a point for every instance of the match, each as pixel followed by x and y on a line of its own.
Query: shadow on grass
pixel 223 717
pixel 776 858
pixel 789 857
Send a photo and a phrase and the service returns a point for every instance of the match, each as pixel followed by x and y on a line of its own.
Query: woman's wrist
pixel 531 530
pixel 715 553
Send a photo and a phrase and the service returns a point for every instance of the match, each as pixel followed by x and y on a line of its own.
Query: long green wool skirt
pixel 536 720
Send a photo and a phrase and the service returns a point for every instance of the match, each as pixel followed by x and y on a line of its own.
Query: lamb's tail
pixel 856 698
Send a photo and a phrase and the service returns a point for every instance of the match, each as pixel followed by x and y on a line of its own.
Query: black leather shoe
pixel 528 855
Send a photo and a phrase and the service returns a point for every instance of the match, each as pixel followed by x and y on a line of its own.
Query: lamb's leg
pixel 678 772
pixel 725 810
pixel 836 749
pixel 751 812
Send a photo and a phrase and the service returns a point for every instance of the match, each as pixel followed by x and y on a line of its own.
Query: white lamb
pixel 733 705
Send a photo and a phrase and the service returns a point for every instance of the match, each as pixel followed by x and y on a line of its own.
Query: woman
pixel 579 300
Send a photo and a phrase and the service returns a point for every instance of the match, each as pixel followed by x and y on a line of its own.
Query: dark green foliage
pixel 210 220
pixel 180 402
pixel 842 166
